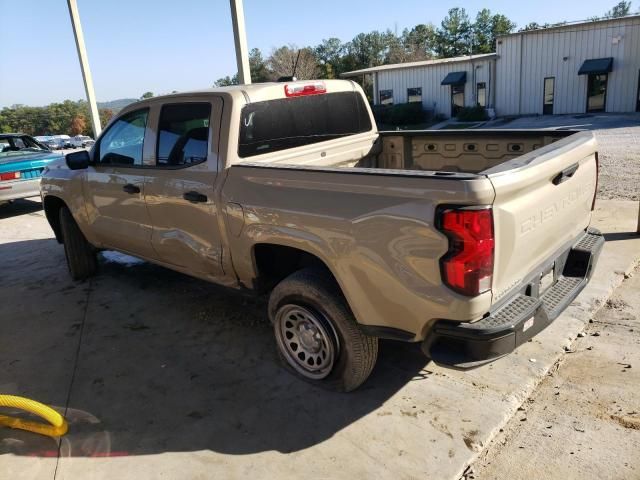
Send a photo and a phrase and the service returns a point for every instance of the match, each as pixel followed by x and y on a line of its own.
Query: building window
pixel 549 95
pixel 597 92
pixel 457 99
pixel 481 94
pixel 414 94
pixel 386 97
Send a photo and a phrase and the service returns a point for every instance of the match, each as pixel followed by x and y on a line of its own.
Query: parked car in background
pixel 22 159
pixel 64 141
pixel 81 141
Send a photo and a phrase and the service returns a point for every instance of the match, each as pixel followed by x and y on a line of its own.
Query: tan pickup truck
pixel 470 241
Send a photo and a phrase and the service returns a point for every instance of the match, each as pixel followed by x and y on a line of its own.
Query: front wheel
pixel 81 256
pixel 316 334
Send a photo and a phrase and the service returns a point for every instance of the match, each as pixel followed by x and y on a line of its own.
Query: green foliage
pixel 620 10
pixel 400 114
pixel 57 118
pixel 226 81
pixel 454 34
pixel 146 95
pixel 472 114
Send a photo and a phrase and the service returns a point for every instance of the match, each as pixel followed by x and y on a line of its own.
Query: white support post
pixel 240 39
pixel 84 66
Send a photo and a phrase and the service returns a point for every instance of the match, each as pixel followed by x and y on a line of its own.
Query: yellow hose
pixel 58 425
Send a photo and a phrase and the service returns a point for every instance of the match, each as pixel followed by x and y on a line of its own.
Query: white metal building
pixel 578 68
pixel 441 85
pixel 575 68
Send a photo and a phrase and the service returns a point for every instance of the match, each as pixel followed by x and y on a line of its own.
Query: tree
pixel 500 25
pixel 620 10
pixel 419 43
pixel 329 56
pixel 146 95
pixel 284 60
pixel 258 67
pixel 78 125
pixel 226 81
pixel 454 34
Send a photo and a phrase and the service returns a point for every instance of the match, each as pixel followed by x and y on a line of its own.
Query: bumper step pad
pixel 468 345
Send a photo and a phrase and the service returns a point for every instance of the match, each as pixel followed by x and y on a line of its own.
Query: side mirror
pixel 78 160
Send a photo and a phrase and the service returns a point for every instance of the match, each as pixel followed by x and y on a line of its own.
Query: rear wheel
pixel 81 256
pixel 316 334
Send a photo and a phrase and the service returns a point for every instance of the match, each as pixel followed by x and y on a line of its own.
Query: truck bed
pixel 468 151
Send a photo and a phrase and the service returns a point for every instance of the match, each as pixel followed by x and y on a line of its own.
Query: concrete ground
pixel 161 375
pixel 586 411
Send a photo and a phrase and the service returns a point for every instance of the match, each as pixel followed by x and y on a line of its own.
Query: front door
pixel 457 99
pixel 179 190
pixel 549 94
pixel 115 187
pixel 638 98
pixel 597 92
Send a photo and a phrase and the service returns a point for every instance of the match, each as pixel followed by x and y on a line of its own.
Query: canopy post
pixel 84 66
pixel 240 39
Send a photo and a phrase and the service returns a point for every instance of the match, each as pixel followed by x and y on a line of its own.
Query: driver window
pixel 122 143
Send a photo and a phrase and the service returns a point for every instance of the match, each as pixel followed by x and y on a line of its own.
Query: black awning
pixel 455 78
pixel 596 65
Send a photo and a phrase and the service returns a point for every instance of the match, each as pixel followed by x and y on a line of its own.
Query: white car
pixel 81 141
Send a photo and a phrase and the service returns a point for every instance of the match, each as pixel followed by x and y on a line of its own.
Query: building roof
pixel 422 63
pixel 569 25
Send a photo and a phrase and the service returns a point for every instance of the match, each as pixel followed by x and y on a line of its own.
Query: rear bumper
pixel 468 345
pixel 19 189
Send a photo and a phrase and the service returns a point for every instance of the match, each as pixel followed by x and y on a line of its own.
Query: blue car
pixel 22 159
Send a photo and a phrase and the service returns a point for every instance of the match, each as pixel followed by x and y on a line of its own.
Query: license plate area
pixel 547 279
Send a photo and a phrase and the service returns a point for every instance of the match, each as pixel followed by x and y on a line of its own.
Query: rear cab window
pixel 274 125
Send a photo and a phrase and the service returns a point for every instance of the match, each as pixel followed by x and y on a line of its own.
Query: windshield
pixel 20 143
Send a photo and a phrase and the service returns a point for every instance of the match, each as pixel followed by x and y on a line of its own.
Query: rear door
pixel 114 188
pixel 180 185
pixel 540 207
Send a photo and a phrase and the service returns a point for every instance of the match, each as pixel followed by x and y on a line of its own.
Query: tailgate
pixel 543 201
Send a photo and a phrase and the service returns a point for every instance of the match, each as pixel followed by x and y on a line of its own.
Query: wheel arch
pixel 52 206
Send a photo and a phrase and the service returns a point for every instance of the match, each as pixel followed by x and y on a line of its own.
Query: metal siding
pixel 542 56
pixel 428 78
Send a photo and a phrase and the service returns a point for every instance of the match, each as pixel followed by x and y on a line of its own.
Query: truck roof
pixel 254 92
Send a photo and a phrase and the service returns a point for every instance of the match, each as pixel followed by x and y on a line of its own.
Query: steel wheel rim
pixel 307 341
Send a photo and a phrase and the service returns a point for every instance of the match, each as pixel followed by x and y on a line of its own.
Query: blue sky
pixel 165 45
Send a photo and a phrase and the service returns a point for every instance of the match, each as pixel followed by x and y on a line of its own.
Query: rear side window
pixel 183 134
pixel 292 122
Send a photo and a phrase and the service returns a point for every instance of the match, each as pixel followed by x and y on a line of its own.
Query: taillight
pixel 300 89
pixel 9 176
pixel 467 267
pixel 593 203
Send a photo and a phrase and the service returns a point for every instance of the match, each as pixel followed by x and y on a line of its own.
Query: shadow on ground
pixel 166 363
pixel 19 207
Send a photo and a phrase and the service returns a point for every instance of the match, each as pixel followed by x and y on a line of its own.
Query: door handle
pixel 565 174
pixel 131 189
pixel 195 197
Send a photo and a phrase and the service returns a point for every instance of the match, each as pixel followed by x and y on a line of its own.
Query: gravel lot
pixel 619 139
pixel 619 163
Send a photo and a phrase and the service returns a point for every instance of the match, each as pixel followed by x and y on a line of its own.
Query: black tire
pixel 316 292
pixel 81 256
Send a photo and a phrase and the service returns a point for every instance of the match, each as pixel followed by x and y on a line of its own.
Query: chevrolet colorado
pixel 469 242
